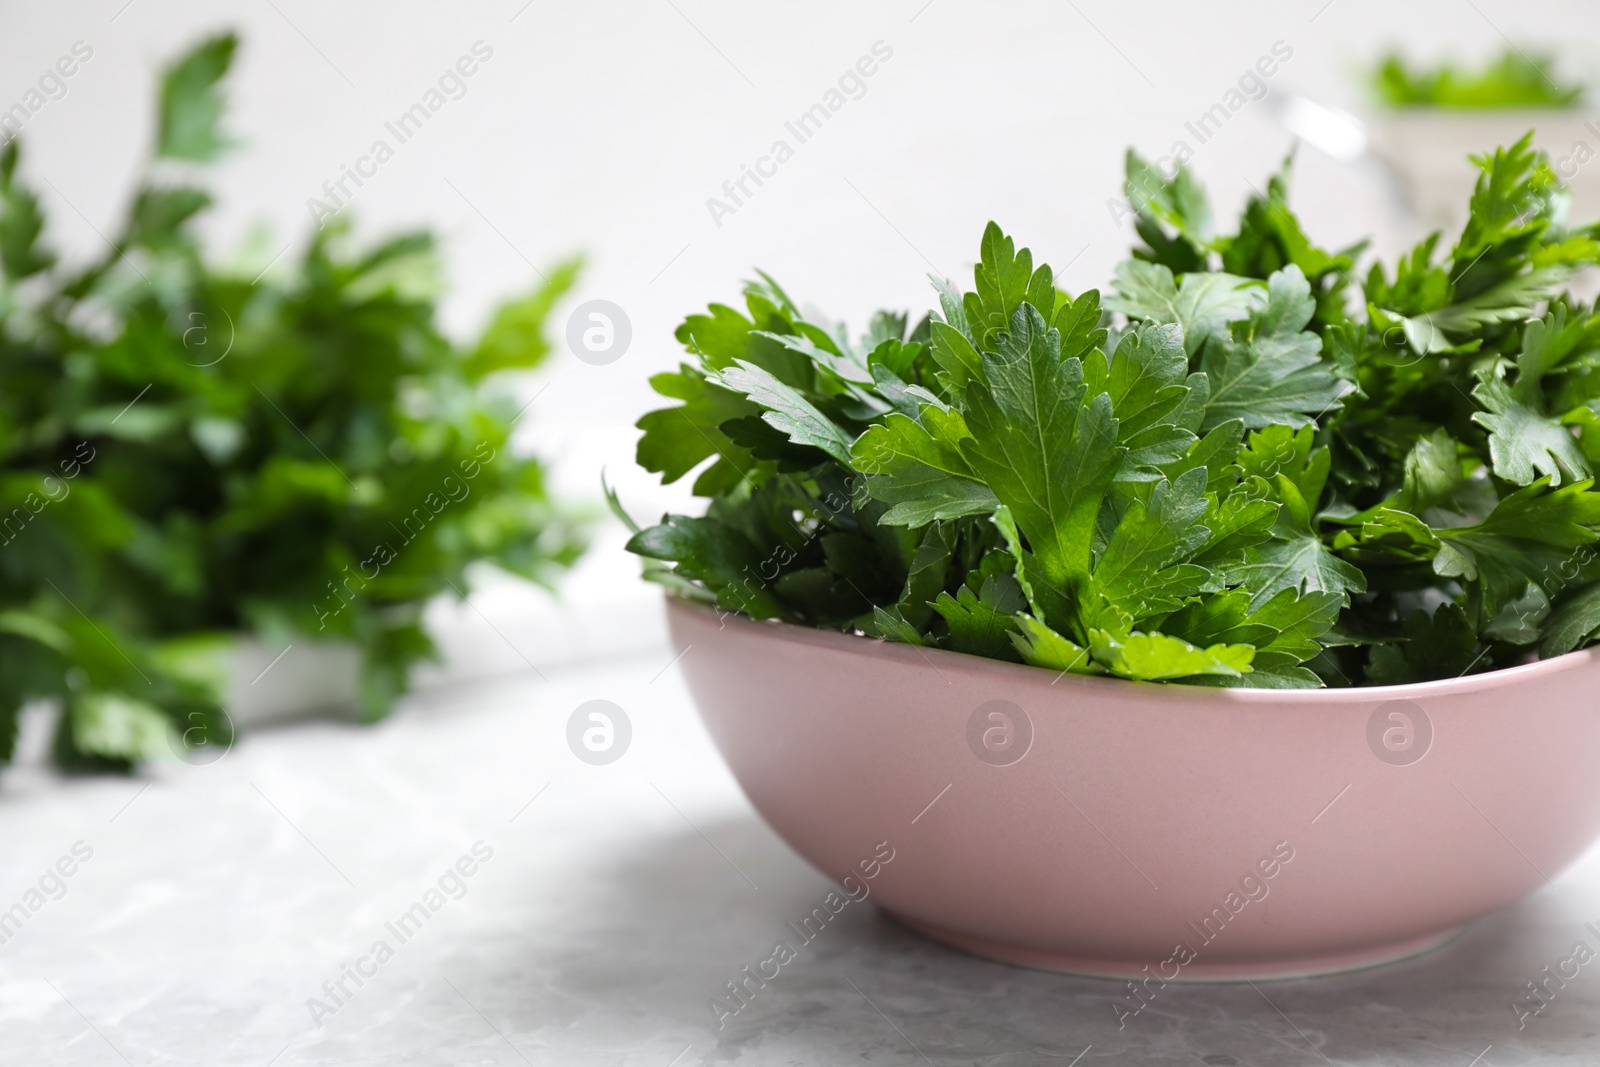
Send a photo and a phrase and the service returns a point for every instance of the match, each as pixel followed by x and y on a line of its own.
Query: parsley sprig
pixel 1514 79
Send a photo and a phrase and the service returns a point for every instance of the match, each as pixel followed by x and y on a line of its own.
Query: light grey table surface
pixel 618 899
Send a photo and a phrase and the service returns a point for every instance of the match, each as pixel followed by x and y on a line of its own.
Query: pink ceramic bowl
pixel 1119 828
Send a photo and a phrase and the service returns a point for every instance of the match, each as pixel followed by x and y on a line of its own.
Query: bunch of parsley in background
pixel 187 452
pixel 1222 473
pixel 1514 79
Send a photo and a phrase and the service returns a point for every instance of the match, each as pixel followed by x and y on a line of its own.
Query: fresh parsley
pixel 191 450
pixel 1513 79
pixel 1242 465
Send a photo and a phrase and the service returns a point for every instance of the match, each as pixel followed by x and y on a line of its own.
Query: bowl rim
pixel 877 648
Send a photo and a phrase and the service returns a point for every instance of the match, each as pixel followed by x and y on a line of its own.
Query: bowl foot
pixel 1200 970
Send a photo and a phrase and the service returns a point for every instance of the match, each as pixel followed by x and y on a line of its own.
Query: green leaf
pixel 1575 621
pixel 980 625
pixel 1524 444
pixel 1511 300
pixel 1155 657
pixel 36 628
pixel 954 352
pixel 1526 538
pixel 1548 343
pixel 1505 200
pixel 1390 535
pixel 787 410
pixel 1041 646
pixel 678 439
pixel 514 338
pixel 708 551
pixel 1078 322
pixel 1274 373
pixel 1178 204
pixel 1288 622
pixel 159 215
pixel 1203 304
pixel 1441 645
pixel 918 467
pixel 1237 521
pixel 1215 453
pixel 1147 378
pixel 890 625
pixel 21 223
pixel 1520 621
pixel 926 576
pixel 1048 459
pixel 1142 570
pixel 1433 473
pixel 1301 563
pixel 117 726
pixel 1005 278
pixel 1280 450
pixel 192 102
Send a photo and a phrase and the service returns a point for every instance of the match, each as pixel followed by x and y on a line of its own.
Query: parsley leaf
pixel 1271 370
pixel 1203 304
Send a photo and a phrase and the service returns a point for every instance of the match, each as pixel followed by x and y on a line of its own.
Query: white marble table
pixel 617 900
